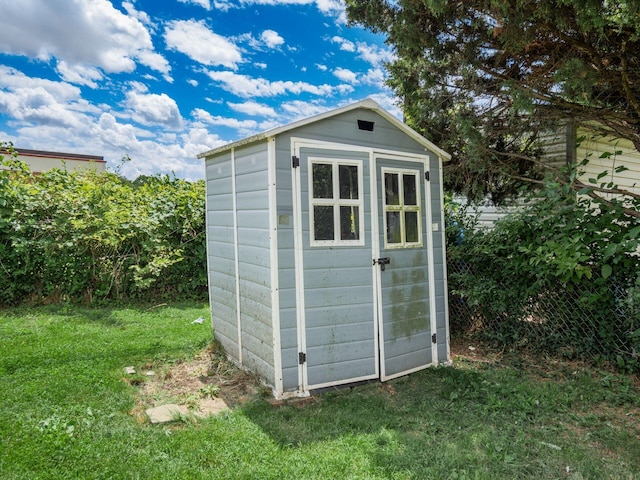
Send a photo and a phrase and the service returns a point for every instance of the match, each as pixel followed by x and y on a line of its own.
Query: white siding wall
pixel 592 147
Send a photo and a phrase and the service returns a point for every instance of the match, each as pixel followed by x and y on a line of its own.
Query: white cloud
pixel 299 109
pixel 375 76
pixel 156 62
pixel 193 82
pixel 322 68
pixel 261 65
pixel 79 74
pixel 253 108
pixel 40 101
pixel 83 33
pixel 195 40
pixel 206 117
pixel 345 45
pixel 271 39
pixel 374 54
pixel 142 16
pixel 332 8
pixel 206 4
pixel 346 75
pixel 153 109
pixel 388 101
pixel 247 87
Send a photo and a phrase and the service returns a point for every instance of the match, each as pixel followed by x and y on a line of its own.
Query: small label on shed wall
pixel 435 226
pixel 283 219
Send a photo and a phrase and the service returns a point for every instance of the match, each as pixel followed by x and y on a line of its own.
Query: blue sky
pixel 164 80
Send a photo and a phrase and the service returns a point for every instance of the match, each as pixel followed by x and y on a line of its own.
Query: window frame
pixel 401 207
pixel 336 202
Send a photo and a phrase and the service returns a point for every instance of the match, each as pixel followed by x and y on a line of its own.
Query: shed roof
pixel 367 103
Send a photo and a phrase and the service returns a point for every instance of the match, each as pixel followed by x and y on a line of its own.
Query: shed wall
pixel 344 129
pixel 240 287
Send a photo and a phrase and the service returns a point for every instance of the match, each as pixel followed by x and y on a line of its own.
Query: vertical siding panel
pixel 286 266
pixel 440 261
pixel 252 204
pixel 220 253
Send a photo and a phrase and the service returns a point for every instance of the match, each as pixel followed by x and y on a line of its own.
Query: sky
pixel 161 81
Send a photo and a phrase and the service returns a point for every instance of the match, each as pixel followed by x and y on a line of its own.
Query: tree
pixel 504 72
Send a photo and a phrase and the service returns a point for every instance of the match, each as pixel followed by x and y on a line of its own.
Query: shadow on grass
pixel 483 422
pixel 402 404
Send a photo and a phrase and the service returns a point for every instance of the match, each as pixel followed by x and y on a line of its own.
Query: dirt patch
pixel 206 385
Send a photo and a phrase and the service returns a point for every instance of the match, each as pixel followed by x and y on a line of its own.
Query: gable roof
pixel 367 103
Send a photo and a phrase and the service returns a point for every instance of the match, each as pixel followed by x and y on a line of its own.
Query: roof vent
pixel 365 125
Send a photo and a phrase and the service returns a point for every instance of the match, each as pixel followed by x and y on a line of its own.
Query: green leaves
pixel 488 81
pixel 71 236
pixel 562 273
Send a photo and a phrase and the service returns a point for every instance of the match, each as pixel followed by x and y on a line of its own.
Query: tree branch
pixel 624 64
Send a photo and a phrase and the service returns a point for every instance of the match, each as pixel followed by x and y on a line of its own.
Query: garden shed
pixel 326 250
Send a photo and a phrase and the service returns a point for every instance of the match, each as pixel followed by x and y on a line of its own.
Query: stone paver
pixel 166 413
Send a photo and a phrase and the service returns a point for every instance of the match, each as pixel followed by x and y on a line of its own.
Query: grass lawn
pixel 67 411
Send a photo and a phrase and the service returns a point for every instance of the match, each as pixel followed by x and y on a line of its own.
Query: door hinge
pixel 295 161
pixel 434 338
pixel 302 358
pixel 426 175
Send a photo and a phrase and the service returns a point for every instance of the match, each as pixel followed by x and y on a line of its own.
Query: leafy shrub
pixel 562 275
pixel 94 236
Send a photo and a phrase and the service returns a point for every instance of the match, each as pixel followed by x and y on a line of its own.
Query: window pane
pixel 322 175
pixel 349 223
pixel 409 184
pixel 411 227
pixel 323 222
pixel 393 227
pixel 348 175
pixel 391 194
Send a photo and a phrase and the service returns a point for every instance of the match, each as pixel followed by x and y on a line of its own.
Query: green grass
pixel 65 413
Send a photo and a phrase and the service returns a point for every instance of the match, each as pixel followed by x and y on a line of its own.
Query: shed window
pixel 402 209
pixel 336 202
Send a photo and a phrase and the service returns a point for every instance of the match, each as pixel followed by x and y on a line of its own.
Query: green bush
pixel 69 236
pixel 562 275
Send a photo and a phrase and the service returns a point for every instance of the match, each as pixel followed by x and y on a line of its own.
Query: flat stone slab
pixel 166 413
pixel 212 406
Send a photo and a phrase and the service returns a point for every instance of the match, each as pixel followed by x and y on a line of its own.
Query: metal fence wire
pixel 561 319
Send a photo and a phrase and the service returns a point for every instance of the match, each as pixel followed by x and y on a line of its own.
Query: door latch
pixel 382 262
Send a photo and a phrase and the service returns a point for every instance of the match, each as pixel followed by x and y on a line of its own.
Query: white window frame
pixel 336 202
pixel 402 208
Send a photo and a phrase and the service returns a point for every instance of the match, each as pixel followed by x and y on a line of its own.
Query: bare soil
pixel 207 385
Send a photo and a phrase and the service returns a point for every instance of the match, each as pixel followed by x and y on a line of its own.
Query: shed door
pixel 402 273
pixel 338 329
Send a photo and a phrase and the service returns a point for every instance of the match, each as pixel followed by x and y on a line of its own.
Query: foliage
pixel 487 80
pixel 95 236
pixel 68 412
pixel 561 275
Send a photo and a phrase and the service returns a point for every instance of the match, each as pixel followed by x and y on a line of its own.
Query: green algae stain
pixel 409 298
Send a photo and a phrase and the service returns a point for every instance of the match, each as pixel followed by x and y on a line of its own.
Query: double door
pixel 364 300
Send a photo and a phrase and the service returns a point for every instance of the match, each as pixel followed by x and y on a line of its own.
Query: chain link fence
pixel 585 321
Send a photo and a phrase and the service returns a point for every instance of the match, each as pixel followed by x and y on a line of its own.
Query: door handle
pixel 382 262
